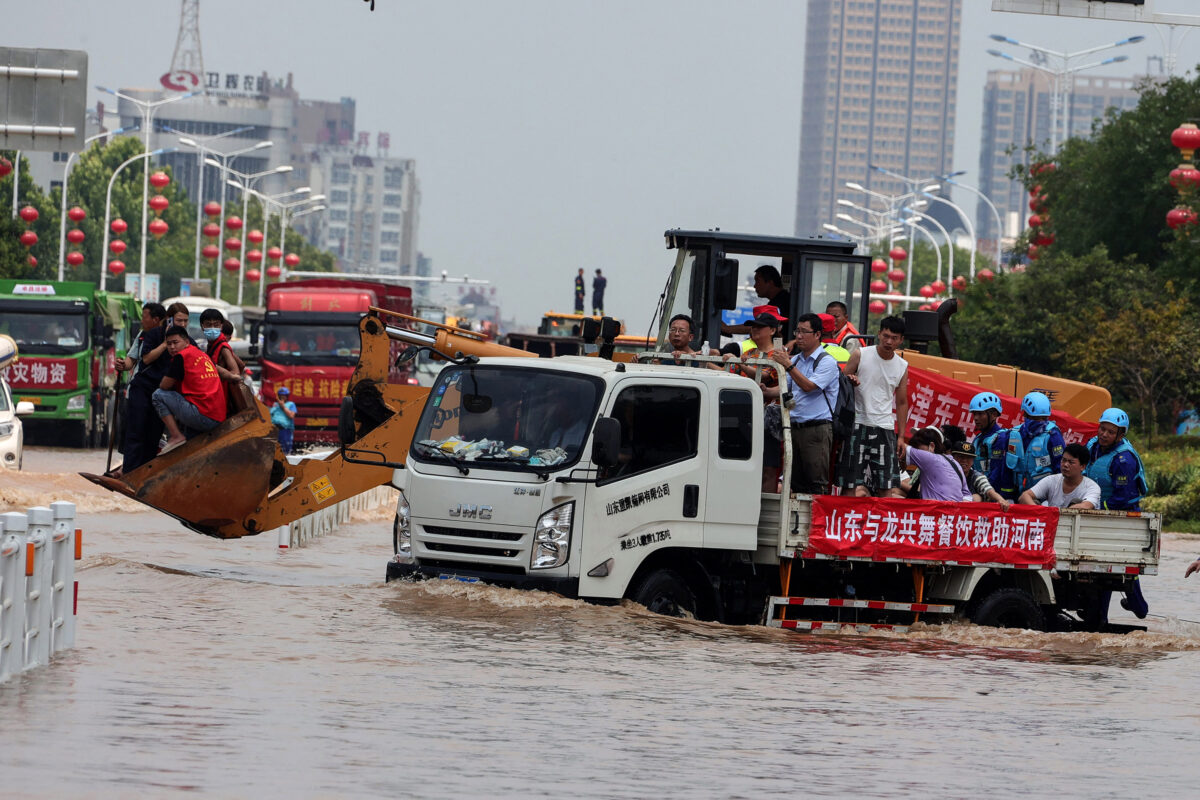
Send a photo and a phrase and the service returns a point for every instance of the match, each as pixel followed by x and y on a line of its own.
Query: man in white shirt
pixel 1069 488
pixel 869 463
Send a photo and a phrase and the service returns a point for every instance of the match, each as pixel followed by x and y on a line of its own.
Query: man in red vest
pixel 190 394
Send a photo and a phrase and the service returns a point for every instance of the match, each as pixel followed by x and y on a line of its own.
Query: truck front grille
pixel 500 536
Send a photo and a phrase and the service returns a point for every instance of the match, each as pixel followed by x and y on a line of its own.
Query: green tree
pixel 14 256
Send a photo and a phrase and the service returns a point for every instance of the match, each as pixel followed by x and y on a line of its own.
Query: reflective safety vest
pixel 983 449
pixel 1099 469
pixel 1029 464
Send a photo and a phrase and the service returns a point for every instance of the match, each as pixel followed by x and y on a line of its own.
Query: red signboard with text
pixel 936 400
pixel 43 373
pixel 908 530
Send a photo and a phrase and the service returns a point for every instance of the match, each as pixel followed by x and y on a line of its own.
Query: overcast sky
pixel 555 134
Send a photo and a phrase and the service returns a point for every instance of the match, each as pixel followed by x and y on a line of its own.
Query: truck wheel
pixel 1009 608
pixel 665 592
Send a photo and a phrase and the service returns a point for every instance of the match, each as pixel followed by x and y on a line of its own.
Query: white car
pixel 11 436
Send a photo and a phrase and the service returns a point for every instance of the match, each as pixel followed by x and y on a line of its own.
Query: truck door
pixel 734 470
pixel 654 498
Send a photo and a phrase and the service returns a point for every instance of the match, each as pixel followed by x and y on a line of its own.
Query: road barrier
pixel 38 591
pixel 328 519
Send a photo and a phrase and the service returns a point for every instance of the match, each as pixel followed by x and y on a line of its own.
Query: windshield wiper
pixel 455 462
pixel 540 472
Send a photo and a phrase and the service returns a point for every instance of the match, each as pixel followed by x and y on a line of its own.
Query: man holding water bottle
pixel 813 383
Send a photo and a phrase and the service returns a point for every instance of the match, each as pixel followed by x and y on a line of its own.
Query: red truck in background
pixel 310 344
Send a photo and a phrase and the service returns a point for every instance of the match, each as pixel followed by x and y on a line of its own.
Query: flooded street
pixel 231 669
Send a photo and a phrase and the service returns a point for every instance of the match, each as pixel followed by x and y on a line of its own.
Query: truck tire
pixel 1009 608
pixel 664 591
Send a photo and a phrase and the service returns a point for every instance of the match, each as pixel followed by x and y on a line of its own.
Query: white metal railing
pixel 327 520
pixel 38 550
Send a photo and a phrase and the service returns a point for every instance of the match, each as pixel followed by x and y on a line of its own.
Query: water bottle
pixel 704 348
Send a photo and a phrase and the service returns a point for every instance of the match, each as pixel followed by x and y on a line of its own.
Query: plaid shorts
pixel 869 459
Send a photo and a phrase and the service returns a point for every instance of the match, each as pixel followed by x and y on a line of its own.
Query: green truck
pixel 69 335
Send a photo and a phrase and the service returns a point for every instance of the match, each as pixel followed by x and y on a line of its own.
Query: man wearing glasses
pixel 813 382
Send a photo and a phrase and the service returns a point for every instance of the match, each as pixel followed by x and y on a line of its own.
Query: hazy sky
pixel 555 134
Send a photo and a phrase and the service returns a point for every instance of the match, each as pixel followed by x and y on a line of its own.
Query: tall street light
pixel 148 109
pixel 108 214
pixel 221 165
pixel 999 222
pixel 276 200
pixel 62 232
pixel 949 242
pixel 1062 72
pixel 966 221
pixel 200 143
pixel 246 185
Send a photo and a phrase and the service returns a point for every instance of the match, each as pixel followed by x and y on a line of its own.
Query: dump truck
pixel 386 437
pixel 70 335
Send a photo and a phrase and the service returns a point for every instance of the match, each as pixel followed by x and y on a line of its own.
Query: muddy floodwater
pixel 232 669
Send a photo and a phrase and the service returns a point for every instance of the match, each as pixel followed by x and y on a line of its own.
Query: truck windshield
pixel 312 344
pixel 45 334
pixel 514 418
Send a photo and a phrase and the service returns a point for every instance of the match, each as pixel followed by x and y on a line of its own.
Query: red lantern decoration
pixel 77 214
pixel 210 251
pixel 898 254
pixel 926 291
pixel 1032 252
pixel 158 203
pixel 253 275
pixel 274 253
pixel 1178 217
pixel 1035 221
pixel 254 237
pixel 254 256
pixel 74 258
pixel 29 214
pixel 877 307
pixel 1185 177
pixel 925 307
pixel 29 238
pixel 1187 138
pixel 212 209
pixel 1038 204
pixel 233 243
pixel 1035 191
pixel 117 246
pixel 878 287
pixel 157 228
pixel 119 226
pixel 274 271
pixel 211 229
pixel 933 306
pixel 959 283
pixel 985 274
pixel 5 167
pixel 292 260
pixel 879 266
pixel 938 287
pixel 32 261
pixel 75 236
pixel 159 179
pixel 232 265
pixel 234 223
pixel 896 275
pixel 1043 238
pixel 116 267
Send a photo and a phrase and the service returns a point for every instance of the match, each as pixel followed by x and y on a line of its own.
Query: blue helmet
pixel 1036 404
pixel 984 401
pixel 1116 416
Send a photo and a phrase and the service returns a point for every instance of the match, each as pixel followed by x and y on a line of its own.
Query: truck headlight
pixel 552 537
pixel 77 402
pixel 401 529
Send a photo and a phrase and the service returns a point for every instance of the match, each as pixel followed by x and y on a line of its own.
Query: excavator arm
pixel 235 481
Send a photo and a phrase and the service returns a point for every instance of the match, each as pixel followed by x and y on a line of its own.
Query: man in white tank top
pixel 869 463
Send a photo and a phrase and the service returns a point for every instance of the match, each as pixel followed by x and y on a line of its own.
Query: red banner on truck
pixel 42 373
pixel 908 530
pixel 936 400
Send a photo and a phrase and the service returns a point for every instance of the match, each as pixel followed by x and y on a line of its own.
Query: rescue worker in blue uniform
pixel 1032 450
pixel 1117 467
pixel 985 411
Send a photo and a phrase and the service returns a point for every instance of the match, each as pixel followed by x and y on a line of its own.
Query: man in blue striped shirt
pixel 812 378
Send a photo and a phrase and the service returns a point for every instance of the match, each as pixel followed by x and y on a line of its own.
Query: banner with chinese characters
pixel 912 530
pixel 936 400
pixel 42 373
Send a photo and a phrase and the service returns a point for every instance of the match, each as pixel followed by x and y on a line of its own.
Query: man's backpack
pixel 843 410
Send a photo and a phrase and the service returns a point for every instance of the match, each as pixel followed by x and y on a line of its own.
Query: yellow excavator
pixel 235 480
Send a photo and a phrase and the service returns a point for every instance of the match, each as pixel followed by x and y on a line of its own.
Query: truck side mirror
pixel 606 442
pixel 725 288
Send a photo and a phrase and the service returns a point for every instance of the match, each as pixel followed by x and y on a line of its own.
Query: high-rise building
pixel 1017 112
pixel 880 81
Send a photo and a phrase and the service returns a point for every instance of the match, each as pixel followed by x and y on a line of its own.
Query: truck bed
pixel 1085 541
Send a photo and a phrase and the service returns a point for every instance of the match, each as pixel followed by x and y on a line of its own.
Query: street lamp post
pixel 283 209
pixel 966 221
pixel 62 232
pixel 999 222
pixel 246 185
pixel 148 109
pixel 108 213
pixel 945 235
pixel 1063 74
pixel 221 165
